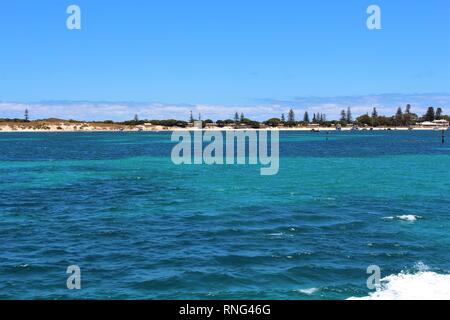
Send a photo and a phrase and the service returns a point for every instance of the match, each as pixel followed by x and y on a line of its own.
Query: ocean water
pixel 140 227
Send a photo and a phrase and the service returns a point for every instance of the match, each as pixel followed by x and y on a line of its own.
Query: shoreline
pixel 302 129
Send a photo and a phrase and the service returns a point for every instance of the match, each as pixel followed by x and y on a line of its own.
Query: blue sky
pixel 161 58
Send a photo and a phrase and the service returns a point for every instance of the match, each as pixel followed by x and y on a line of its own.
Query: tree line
pixel 403 117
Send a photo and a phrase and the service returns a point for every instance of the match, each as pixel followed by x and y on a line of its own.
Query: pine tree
pixel 438 114
pixel 374 113
pixel 191 118
pixel 408 109
pixel 283 119
pixel 430 116
pixel 26 115
pixel 409 118
pixel 349 115
pixel 374 118
pixel 343 116
pixel 399 116
pixel 306 117
pixel 291 116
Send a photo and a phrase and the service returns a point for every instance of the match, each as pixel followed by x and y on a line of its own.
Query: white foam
pixel 424 285
pixel 309 291
pixel 409 217
pixel 406 217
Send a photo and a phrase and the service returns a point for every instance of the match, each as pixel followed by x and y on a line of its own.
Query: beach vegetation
pixel 273 122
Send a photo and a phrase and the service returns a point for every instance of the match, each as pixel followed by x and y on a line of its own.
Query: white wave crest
pixel 309 291
pixel 424 285
pixel 409 218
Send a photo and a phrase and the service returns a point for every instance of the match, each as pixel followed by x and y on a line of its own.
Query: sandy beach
pixel 102 127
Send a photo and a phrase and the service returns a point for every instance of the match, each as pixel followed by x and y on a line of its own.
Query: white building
pixel 441 123
pixel 435 123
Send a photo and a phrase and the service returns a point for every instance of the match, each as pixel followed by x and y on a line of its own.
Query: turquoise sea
pixel 140 227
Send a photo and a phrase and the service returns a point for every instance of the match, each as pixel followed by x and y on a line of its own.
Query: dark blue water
pixel 141 227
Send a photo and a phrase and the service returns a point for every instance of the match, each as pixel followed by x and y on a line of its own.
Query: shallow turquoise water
pixel 141 227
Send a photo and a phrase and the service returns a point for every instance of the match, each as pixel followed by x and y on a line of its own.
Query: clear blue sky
pixel 225 52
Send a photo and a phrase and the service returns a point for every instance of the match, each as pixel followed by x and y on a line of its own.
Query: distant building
pixel 441 123
pixel 435 123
